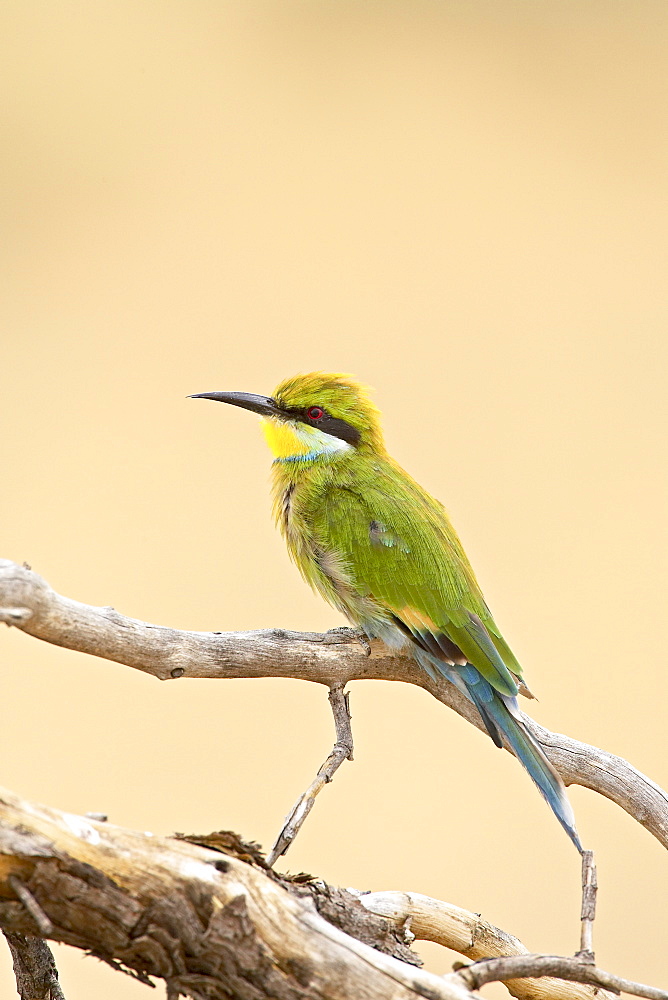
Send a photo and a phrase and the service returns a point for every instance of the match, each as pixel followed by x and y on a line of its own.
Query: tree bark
pixel 210 925
pixel 221 926
pixel 332 659
pixel 208 916
pixel 34 968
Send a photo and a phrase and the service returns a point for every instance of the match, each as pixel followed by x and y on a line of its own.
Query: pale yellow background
pixel 463 203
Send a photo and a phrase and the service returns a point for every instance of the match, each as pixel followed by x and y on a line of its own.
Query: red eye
pixel 315 413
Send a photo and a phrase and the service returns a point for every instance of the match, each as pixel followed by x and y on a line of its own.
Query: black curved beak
pixel 258 404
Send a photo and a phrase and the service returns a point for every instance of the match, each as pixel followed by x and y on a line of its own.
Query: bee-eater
pixel 381 550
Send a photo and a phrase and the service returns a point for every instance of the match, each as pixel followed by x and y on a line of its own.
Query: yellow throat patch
pixel 290 441
pixel 284 440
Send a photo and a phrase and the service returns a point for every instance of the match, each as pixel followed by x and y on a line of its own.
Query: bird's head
pixel 313 416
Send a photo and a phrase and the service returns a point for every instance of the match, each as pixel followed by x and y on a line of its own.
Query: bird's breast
pixel 291 521
pixel 323 568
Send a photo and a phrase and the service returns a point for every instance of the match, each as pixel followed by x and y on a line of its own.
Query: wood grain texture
pixel 216 922
pixel 210 925
pixel 332 658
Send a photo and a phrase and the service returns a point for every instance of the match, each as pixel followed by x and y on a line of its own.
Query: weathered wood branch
pixel 220 925
pixel 473 937
pixel 34 968
pixel 588 909
pixel 333 659
pixel 210 925
pixel 498 970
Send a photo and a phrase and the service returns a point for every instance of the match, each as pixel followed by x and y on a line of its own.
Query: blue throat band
pixel 307 457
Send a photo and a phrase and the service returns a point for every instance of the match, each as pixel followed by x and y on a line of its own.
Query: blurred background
pixel 463 204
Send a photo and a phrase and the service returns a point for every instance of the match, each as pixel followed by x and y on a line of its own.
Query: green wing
pixel 399 548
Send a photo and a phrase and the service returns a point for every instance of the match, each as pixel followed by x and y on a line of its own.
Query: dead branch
pixel 34 968
pixel 502 969
pixel 209 925
pixel 588 911
pixel 220 925
pixel 333 659
pixel 468 933
pixel 342 750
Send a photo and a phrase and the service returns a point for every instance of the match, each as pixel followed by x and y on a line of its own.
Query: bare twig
pixel 32 906
pixel 588 912
pixel 332 659
pixel 34 968
pixel 494 970
pixel 342 750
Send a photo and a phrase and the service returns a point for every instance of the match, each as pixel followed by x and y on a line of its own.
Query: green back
pixel 398 546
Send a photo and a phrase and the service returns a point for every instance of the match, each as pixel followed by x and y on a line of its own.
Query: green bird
pixel 381 550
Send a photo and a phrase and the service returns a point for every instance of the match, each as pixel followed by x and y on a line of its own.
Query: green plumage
pixel 392 551
pixel 382 550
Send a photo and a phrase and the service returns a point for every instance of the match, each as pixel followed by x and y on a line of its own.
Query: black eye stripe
pixel 339 428
pixel 330 425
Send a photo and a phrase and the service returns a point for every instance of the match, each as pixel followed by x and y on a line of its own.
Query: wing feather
pixel 403 551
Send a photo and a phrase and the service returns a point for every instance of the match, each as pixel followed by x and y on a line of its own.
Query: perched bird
pixel 382 550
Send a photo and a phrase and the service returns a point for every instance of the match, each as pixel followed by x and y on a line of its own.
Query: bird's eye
pixel 315 413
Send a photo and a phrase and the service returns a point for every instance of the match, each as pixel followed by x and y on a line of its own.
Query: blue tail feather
pixel 501 713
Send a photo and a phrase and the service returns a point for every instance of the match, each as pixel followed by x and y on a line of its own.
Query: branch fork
pixel 332 659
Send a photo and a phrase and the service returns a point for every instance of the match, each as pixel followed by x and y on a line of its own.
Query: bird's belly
pixel 324 569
